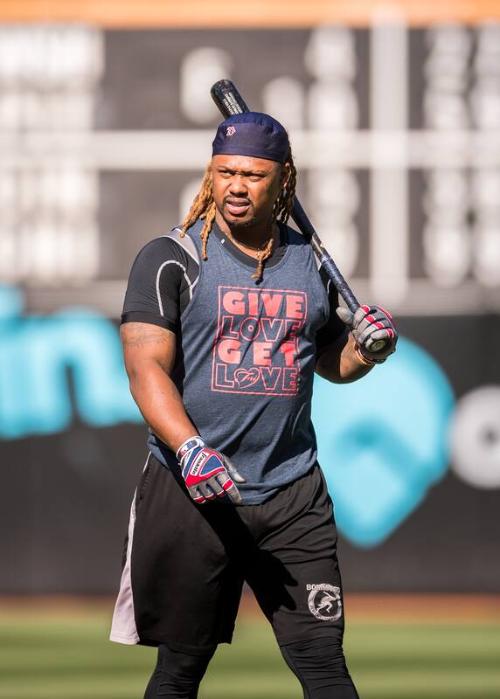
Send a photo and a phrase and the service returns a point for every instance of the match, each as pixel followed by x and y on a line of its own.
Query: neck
pixel 252 238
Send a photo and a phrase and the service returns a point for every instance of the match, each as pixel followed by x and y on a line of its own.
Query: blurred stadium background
pixel 105 127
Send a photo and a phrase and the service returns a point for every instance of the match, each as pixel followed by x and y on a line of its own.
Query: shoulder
pixel 293 237
pixel 166 253
pixel 303 246
pixel 161 281
pixel 168 246
pixel 298 239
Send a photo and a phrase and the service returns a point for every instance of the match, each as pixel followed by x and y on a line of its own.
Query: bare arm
pixel 340 363
pixel 149 353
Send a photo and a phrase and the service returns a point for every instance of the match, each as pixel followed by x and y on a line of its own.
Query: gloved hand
pixel 371 325
pixel 208 473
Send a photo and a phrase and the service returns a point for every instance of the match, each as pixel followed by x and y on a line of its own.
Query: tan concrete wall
pixel 259 13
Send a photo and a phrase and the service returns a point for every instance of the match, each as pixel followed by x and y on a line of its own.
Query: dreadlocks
pixel 203 207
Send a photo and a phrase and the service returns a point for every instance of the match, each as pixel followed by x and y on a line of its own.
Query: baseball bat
pixel 229 101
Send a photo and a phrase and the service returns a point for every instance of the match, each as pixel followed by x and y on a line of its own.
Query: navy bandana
pixel 254 134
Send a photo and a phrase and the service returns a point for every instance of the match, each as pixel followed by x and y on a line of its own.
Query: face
pixel 245 189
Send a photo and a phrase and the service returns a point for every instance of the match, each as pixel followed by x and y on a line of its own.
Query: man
pixel 225 321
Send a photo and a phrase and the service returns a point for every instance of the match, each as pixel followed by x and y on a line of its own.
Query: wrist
pixel 187 445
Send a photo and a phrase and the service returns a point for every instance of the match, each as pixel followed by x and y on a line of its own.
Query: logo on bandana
pixel 256 345
pixel 230 131
pixel 324 601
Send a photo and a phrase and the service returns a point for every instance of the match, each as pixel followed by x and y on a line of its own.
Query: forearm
pixel 161 404
pixel 341 363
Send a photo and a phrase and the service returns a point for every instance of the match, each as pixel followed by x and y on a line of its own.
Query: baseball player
pixel 225 321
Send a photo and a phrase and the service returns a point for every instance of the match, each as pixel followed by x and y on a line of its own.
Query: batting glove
pixel 373 331
pixel 208 473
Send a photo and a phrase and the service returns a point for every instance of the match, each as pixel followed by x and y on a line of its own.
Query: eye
pixel 254 177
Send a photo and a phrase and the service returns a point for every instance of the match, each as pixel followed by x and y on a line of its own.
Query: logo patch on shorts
pixel 324 601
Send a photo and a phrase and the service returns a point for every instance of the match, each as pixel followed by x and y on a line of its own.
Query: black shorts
pixel 185 564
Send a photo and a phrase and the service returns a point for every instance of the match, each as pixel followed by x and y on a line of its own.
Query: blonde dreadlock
pixel 203 207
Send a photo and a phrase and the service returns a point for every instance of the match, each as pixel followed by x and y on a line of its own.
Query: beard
pixel 239 225
pixel 251 219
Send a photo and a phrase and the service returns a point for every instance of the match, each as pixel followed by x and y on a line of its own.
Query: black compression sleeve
pixel 320 667
pixel 177 674
pixel 159 285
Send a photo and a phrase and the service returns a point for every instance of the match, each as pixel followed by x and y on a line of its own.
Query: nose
pixel 238 186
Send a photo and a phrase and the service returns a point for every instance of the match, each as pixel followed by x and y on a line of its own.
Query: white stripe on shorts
pixel 123 628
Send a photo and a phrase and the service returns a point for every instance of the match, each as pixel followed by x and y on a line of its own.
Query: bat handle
pixel 331 268
pixel 344 290
pixel 301 219
pixel 329 265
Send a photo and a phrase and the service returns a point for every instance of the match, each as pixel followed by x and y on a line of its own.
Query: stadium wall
pixel 104 134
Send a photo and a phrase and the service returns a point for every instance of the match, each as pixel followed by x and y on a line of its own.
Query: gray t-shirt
pixel 246 351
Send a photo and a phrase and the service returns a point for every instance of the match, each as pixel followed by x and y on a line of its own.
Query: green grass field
pixel 71 659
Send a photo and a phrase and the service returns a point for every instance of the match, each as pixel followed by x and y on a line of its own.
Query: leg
pixel 299 548
pixel 177 675
pixel 179 590
pixel 178 585
pixel 320 667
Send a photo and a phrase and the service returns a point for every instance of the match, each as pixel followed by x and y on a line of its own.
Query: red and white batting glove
pixel 208 473
pixel 373 330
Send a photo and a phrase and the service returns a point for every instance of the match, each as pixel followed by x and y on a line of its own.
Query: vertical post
pixel 389 259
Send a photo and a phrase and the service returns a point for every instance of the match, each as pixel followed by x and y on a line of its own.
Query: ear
pixel 285 174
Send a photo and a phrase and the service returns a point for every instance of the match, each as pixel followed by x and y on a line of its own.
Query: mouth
pixel 237 207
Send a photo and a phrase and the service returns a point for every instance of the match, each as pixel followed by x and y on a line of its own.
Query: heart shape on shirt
pixel 246 377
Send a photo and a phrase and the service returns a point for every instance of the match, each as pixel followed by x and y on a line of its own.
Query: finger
pixel 375 315
pixel 233 471
pixel 389 315
pixel 367 324
pixel 384 334
pixel 375 319
pixel 196 495
pixel 372 331
pixel 345 315
pixel 216 486
pixel 371 314
pixel 222 479
pixel 226 483
pixel 378 314
pixel 379 336
pixel 232 491
pixel 206 491
pixel 359 315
